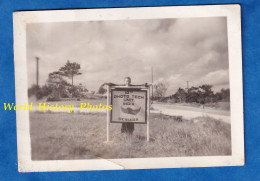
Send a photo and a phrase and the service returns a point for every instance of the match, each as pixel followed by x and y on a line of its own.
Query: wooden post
pixel 108 112
pixel 148 113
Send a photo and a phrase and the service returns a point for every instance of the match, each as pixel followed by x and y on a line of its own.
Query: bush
pixel 52 99
pixel 33 90
pixel 43 92
pixel 74 91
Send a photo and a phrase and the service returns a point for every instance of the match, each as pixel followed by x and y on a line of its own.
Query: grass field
pixel 62 136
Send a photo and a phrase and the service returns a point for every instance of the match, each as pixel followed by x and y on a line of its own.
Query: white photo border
pixel 232 12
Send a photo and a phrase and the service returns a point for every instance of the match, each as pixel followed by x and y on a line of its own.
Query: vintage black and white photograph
pixel 127 86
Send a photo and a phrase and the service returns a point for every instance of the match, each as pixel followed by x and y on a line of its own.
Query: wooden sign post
pixel 148 115
pixel 130 104
pixel 108 112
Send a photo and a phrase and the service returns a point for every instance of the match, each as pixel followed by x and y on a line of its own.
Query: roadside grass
pixel 219 105
pixel 62 136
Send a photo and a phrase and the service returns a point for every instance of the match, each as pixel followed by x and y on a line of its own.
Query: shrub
pixel 33 90
pixel 52 99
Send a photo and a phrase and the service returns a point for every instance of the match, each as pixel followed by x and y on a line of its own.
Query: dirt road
pixel 188 112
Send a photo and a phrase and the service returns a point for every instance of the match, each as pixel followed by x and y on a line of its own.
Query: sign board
pixel 129 105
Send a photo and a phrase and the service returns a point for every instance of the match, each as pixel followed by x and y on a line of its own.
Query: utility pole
pixel 152 82
pixel 37 71
pixel 187 85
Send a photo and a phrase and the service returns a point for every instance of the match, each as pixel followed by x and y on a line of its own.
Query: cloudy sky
pixel 179 50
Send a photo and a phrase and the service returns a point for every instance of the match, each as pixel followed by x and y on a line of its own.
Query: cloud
pixel 217 77
pixel 179 50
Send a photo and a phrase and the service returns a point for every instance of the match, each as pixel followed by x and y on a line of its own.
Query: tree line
pixel 200 94
pixel 57 87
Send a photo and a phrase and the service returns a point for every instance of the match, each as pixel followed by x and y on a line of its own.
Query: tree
pixel 206 94
pixel 57 84
pixel 43 91
pixel 39 92
pixel 160 90
pixel 225 94
pixel 102 90
pixel 70 70
pixel 180 95
pixel 33 90
pixel 193 95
